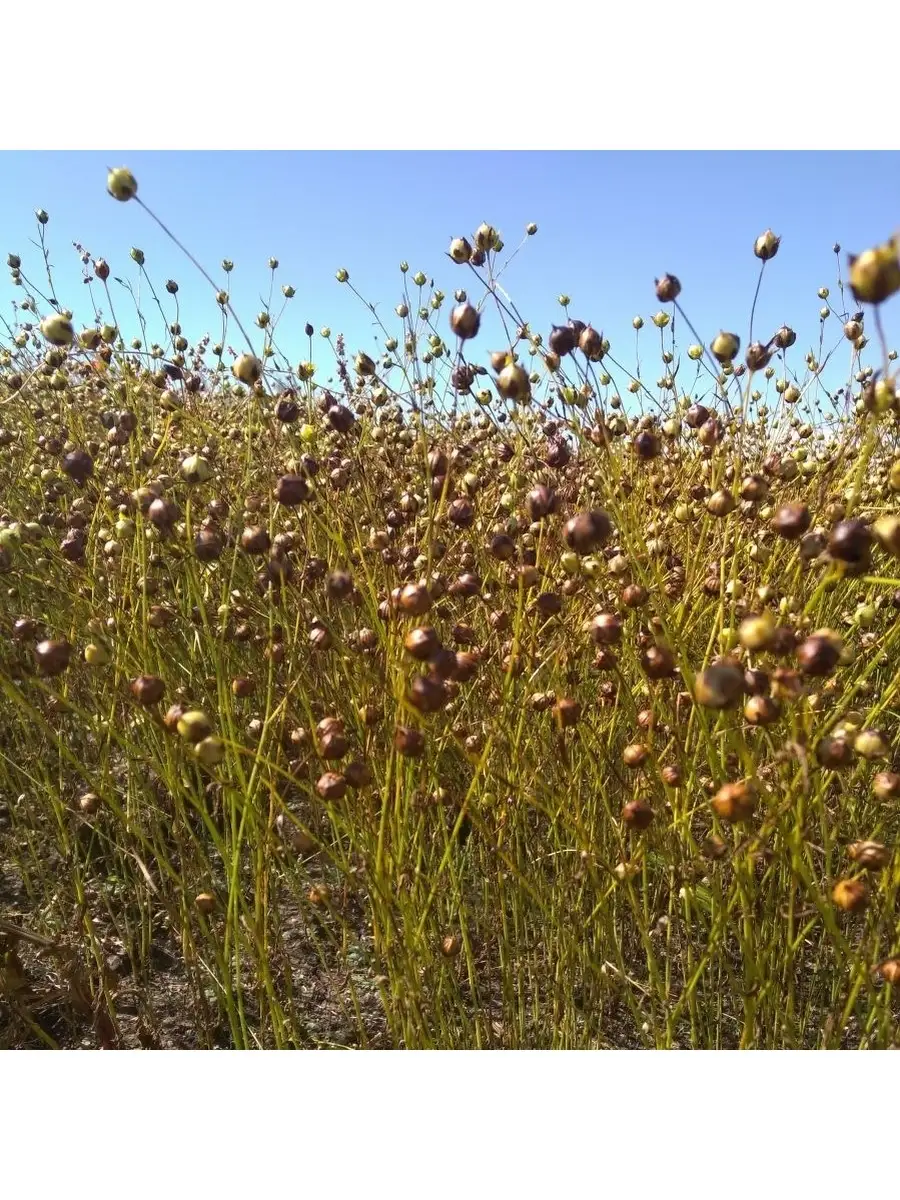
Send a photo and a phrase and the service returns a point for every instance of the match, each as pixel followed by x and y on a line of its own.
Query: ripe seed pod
pixel 427 693
pixel 637 815
pixel 719 686
pixel 851 895
pixel 148 690
pixel 587 531
pixel 889 970
pixel 761 710
pixel 465 321
pixel 58 330
pixel 562 340
pixel 668 289
pixel 791 521
pixel 850 541
pixel 820 653
pixel 766 245
pixel 886 785
pixel 735 802
pixel 871 856
pixel 540 502
pixel 331 786
pixel 568 712
pixel 52 656
pixel 78 465
pixel 513 382
pixel 247 369
pixel 408 742
pixel 606 629
pixel 291 490
pixel 205 902
pixel 635 755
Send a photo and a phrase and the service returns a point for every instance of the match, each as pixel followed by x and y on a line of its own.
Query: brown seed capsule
pixel 414 599
pixel 255 540
pixel 721 503
pixel 242 687
pixel 886 785
pixel 568 712
pixel 562 340
pixel 671 776
pixel 587 531
pixel 78 465
pixel 208 545
pixel 850 541
pixel 889 970
pixel 466 666
pixel 465 321
pixel 163 513
pixel 331 785
pixel 461 512
pixel 647 445
pixel 762 710
pixel 820 653
pixel 205 902
pixel 719 686
pixel 590 343
pixel 834 753
pixel 637 815
pixel 668 289
pixel 635 755
pixel 148 690
pixel 340 418
pixel 872 856
pixel 851 895
pixel 735 802
pixel 513 382
pixel 291 490
pixel 606 629
pixel 540 502
pixel 52 656
pixel 634 596
pixel 791 521
pixel 421 642
pixel 502 547
pixel 451 945
pixel 427 693
pixel 408 742
pixel 658 662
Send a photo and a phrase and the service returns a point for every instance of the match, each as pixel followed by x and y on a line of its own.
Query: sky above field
pixel 609 223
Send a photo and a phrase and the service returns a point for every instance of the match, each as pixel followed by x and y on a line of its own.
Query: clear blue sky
pixel 608 224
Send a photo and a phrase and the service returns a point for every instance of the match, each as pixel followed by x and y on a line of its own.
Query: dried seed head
pixel 588 531
pixel 872 856
pixel 247 369
pixel 850 541
pixel 719 686
pixel 52 656
pixel 637 815
pixel 766 245
pixel 820 653
pixel 851 895
pixel 148 690
pixel 886 785
pixel 667 289
pixel 735 802
pixel 791 521
pixel 465 321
